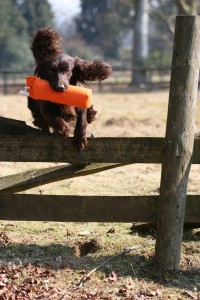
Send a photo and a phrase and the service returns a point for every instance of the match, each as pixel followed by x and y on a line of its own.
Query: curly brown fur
pixel 61 70
pixel 46 42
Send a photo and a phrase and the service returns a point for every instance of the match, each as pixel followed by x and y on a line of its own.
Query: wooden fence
pixel 12 81
pixel 176 152
pixel 21 143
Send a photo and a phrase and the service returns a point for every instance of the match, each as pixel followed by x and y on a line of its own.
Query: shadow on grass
pixel 189 235
pixel 62 257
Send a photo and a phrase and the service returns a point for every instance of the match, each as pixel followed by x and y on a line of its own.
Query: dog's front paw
pixel 64 131
pixel 80 142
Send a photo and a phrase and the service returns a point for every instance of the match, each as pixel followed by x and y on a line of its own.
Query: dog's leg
pixel 80 138
pixel 91 113
pixel 51 116
pixel 58 125
pixel 38 119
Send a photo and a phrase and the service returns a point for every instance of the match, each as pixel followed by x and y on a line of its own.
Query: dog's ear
pixel 85 71
pixel 46 43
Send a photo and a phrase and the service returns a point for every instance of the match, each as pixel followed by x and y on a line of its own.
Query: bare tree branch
pixel 187 7
pixel 168 20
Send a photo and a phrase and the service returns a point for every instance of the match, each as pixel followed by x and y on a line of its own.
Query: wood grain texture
pixel 22 143
pixel 18 127
pixel 99 150
pixel 42 148
pixel 77 208
pixel 37 177
pixel 88 208
pixel 179 141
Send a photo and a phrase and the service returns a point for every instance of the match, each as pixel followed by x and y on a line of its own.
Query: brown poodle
pixel 61 70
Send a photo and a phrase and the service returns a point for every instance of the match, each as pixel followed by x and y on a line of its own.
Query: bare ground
pixel 53 251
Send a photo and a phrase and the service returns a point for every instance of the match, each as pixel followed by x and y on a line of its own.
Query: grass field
pixel 43 260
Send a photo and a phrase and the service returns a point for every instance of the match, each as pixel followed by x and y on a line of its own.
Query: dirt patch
pixel 84 248
pixel 118 122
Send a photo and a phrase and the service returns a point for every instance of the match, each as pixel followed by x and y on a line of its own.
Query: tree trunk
pixel 140 40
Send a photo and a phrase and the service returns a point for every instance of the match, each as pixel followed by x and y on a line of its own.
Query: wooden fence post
pixel 179 141
pixel 5 83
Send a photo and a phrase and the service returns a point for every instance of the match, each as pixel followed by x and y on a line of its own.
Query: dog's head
pixel 60 69
pixel 57 71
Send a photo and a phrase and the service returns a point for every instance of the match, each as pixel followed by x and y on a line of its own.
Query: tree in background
pixel 187 7
pixel 13 37
pixel 166 11
pixel 160 46
pixel 18 20
pixel 37 14
pixel 103 23
pixel 140 40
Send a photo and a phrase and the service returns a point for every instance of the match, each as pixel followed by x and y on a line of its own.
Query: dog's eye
pixel 65 68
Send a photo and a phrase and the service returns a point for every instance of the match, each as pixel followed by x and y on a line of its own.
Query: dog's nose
pixel 61 88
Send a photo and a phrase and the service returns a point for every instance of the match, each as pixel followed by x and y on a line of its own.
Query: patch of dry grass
pixel 54 247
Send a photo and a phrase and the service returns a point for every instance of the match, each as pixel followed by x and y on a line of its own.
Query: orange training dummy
pixel 40 89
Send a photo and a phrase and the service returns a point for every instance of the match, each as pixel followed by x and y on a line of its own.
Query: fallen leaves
pixel 4 239
pixel 112 277
pixel 28 283
pixel 89 295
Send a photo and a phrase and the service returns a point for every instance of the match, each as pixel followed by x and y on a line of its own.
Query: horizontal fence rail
pixel 22 143
pixel 99 150
pixel 21 148
pixel 88 208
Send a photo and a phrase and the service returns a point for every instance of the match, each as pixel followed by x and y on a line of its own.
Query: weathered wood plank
pixel 179 141
pixel 88 208
pixel 192 209
pixel 37 177
pixel 196 150
pixel 17 127
pixel 39 146
pixel 99 150
pixel 77 208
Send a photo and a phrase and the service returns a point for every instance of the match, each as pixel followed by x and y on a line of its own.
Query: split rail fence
pixel 176 152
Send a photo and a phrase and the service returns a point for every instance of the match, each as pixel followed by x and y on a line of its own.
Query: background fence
pixel 12 81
